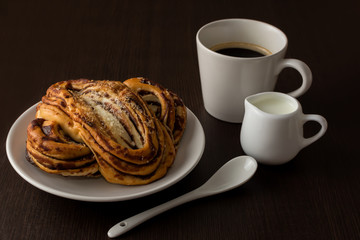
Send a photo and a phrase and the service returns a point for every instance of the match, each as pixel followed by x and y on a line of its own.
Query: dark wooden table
pixel 316 196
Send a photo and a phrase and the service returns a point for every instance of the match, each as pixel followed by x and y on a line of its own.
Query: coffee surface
pixel 240 49
pixel 240 52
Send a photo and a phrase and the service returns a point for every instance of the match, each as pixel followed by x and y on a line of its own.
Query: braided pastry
pixel 166 105
pixel 85 126
pixel 53 151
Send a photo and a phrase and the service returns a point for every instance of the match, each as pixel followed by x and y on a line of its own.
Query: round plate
pixel 97 189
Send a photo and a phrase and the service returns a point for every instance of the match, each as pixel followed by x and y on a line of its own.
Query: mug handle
pixel 317 118
pixel 304 71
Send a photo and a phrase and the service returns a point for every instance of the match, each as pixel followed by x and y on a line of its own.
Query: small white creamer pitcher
pixel 272 129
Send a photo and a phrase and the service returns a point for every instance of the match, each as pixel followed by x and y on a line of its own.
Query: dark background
pixel 316 196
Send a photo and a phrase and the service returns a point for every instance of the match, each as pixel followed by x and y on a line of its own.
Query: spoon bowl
pixel 232 174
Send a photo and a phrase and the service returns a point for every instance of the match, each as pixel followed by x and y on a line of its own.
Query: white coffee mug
pixel 272 130
pixel 227 80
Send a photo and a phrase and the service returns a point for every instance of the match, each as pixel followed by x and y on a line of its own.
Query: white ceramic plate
pixel 98 190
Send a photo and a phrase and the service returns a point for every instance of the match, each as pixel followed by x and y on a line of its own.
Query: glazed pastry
pixel 53 151
pixel 130 145
pixel 166 105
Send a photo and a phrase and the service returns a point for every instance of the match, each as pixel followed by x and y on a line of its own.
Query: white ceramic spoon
pixel 231 175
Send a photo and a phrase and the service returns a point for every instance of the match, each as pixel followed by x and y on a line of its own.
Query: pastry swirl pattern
pixel 166 105
pixel 86 127
pixel 54 152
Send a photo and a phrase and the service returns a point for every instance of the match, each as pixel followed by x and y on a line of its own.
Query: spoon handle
pixel 130 223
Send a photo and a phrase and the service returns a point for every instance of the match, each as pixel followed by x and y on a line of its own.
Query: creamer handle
pixel 322 121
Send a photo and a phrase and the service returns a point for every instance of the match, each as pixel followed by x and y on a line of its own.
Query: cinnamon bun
pixel 83 127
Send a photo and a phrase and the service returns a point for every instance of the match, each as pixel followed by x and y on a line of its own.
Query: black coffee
pixel 240 49
pixel 239 52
